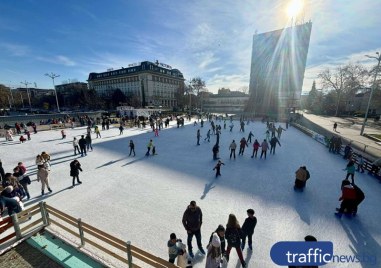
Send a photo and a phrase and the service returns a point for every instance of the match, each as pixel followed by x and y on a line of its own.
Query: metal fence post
pixel 81 235
pixel 16 225
pixel 129 255
pixel 43 213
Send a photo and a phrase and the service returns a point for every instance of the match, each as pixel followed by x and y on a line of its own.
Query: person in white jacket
pixel 76 147
pixel 213 259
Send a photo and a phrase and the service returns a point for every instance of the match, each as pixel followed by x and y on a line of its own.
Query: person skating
pixel 149 146
pixel 63 134
pixel 256 146
pixel 220 231
pixel 43 175
pixel 214 255
pixel 242 126
pixel 279 131
pixel 132 147
pixel 192 221
pixel 82 145
pixel 89 142
pixel 360 164
pixel 231 127
pixel 215 151
pixel 242 145
pixel 264 146
pixel 207 136
pixel 97 131
pixel 301 178
pixel 335 127
pixel 348 198
pixel 232 147
pixel 350 170
pixel 75 167
pixel 233 236
pixel 249 137
pixel 76 147
pixel 248 229
pixel 274 140
pixel 121 128
pixel 198 136
pixel 217 168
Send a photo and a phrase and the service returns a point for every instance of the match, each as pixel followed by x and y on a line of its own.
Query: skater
pixel 75 167
pixel 207 136
pixel 300 178
pixel 43 175
pixel 231 127
pixel 248 229
pixel 273 143
pixel 242 126
pixel 242 145
pixel 34 128
pixel 220 231
pixel 347 151
pixel 88 142
pixel 173 250
pixel 249 137
pixel 217 168
pixel 267 135
pixel 22 139
pixel 76 147
pixel 279 131
pixel 348 199
pixel 46 159
pixel 156 132
pixel 82 145
pixel 335 127
pixel 98 132
pixel 232 148
pixel 360 164
pixel 233 235
pixel 215 151
pixel 264 146
pixel 198 135
pixel 149 146
pixel 202 123
pixel 22 178
pixel 27 133
pixel 360 196
pixel 132 147
pixel 256 146
pixel 214 256
pixel 63 134
pixel 350 170
pixel 192 221
pixel 121 128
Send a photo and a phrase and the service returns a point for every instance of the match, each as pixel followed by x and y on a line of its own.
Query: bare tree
pixel 198 85
pixel 244 89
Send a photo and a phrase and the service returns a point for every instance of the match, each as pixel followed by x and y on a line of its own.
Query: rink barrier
pixel 355 151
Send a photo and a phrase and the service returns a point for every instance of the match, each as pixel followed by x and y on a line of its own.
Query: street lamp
pixel 378 58
pixel 52 76
pixel 27 92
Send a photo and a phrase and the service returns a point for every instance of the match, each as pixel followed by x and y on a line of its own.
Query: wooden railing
pixel 84 233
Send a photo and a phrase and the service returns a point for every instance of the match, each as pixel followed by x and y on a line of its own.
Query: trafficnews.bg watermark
pixel 298 253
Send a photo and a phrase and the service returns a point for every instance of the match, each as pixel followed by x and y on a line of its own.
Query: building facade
pixel 155 84
pixel 277 70
pixel 226 101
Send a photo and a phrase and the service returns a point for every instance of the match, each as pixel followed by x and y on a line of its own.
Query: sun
pixel 294 8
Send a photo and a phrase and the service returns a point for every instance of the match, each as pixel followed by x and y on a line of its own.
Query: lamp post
pixel 27 92
pixel 10 91
pixel 378 58
pixel 52 76
pixel 143 92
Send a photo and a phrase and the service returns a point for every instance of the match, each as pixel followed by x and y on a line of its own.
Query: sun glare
pixel 294 8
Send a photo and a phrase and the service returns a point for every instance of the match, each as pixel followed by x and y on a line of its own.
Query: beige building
pixel 155 84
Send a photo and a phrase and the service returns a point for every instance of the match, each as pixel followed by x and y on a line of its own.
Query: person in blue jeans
pixel 192 221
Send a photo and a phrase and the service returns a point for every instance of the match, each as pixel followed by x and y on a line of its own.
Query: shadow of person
pixel 364 246
pixel 207 188
pixel 301 203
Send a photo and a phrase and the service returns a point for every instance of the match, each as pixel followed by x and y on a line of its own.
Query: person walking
pixel 335 127
pixel 264 146
pixel 89 142
pixel 232 148
pixel 192 221
pixel 217 168
pixel 43 175
pixel 274 140
pixel 242 145
pixel 248 229
pixel 82 145
pixel 256 146
pixel 198 135
pixel 75 167
pixel 132 147
pixel 76 147
pixel 233 236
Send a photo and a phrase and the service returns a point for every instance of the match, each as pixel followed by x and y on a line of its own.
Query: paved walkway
pixel 348 128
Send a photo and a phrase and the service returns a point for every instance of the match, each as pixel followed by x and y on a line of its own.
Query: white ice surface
pixel 142 199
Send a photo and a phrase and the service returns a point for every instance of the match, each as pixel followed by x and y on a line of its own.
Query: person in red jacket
pixel 256 146
pixel 242 145
pixel 348 198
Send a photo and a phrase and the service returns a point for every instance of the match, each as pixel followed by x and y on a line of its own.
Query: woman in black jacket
pixel 233 236
pixel 75 167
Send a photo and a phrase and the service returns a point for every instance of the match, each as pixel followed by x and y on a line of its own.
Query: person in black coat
pixel 274 140
pixel 360 196
pixel 75 167
pixel 2 173
pixel 248 229
pixel 132 147
pixel 215 151
pixel 82 145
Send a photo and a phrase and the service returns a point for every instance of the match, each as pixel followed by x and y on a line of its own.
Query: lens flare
pixel 294 8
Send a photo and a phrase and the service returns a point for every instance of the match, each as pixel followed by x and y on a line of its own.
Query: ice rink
pixel 145 197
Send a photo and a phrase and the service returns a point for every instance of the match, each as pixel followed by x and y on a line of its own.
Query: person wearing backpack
pixel 233 236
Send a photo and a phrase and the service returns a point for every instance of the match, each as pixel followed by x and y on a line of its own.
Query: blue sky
pixel 210 39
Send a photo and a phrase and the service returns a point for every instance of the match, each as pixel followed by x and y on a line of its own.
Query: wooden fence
pixel 84 233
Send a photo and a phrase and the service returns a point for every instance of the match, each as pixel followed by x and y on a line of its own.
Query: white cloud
pixel 59 59
pixel 15 49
